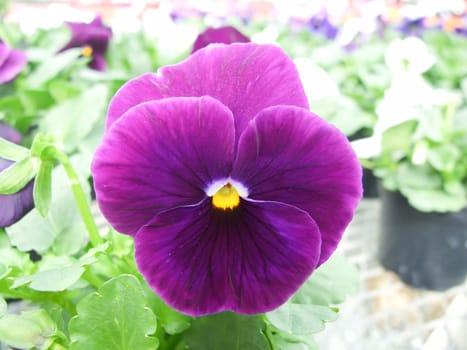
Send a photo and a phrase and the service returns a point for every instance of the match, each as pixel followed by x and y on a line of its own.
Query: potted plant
pixel 419 152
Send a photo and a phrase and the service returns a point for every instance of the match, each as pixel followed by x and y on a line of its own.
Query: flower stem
pixel 80 199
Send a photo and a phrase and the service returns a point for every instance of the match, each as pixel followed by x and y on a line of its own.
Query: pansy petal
pixel 4 52
pixel 9 133
pixel 250 260
pixel 290 155
pixel 161 154
pixel 245 77
pixel 12 66
pixel 98 62
pixel 14 206
pixel 222 35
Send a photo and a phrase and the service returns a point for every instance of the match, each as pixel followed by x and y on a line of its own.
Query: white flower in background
pixel 401 101
pixel 172 38
pixel 410 55
pixel 407 59
pixel 368 147
pixel 316 81
pixel 268 35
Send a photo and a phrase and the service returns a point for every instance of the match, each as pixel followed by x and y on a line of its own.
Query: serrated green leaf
pixel 429 200
pixel 301 319
pixel 172 321
pixel 17 176
pixel 294 342
pixel 12 151
pixel 330 284
pixel 114 318
pixel 227 331
pixel 417 177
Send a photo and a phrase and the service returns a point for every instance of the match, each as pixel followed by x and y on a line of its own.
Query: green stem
pixel 270 337
pixel 80 199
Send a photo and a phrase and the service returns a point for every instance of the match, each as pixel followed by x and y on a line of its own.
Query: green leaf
pixel 43 188
pixel 301 319
pixel 290 342
pixel 63 90
pixel 115 318
pixel 398 138
pixel 70 121
pixel 17 331
pixel 52 66
pixel 30 329
pixel 35 99
pixel 62 229
pixel 417 177
pixel 429 200
pixel 227 331
pixel 172 321
pixel 12 151
pixel 330 284
pixel 3 306
pixel 444 158
pixel 11 105
pixel 17 176
pixel 4 270
pixel 62 274
pixel 43 320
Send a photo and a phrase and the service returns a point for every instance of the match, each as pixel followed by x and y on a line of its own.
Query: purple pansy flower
pixel 321 24
pixel 222 35
pixel 13 206
pixel 233 190
pixel 12 62
pixel 93 38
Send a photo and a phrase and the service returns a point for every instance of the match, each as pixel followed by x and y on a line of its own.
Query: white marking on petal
pixel 216 185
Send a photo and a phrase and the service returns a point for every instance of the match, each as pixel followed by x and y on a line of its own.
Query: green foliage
pixel 426 160
pixel 227 331
pixel 17 176
pixel 313 305
pixel 115 317
pixel 61 231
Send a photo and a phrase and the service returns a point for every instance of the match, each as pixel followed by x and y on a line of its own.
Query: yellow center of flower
pixel 86 51
pixel 226 198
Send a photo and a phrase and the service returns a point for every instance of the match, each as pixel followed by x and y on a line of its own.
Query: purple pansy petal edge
pixel 13 206
pixel 12 63
pixel 222 35
pixel 233 190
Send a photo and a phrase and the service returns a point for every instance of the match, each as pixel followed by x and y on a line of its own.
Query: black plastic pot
pixel 370 184
pixel 427 250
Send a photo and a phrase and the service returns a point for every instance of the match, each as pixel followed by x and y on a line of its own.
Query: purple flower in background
pixel 12 62
pixel 223 35
pixel 93 38
pixel 322 25
pixel 233 190
pixel 413 26
pixel 13 206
